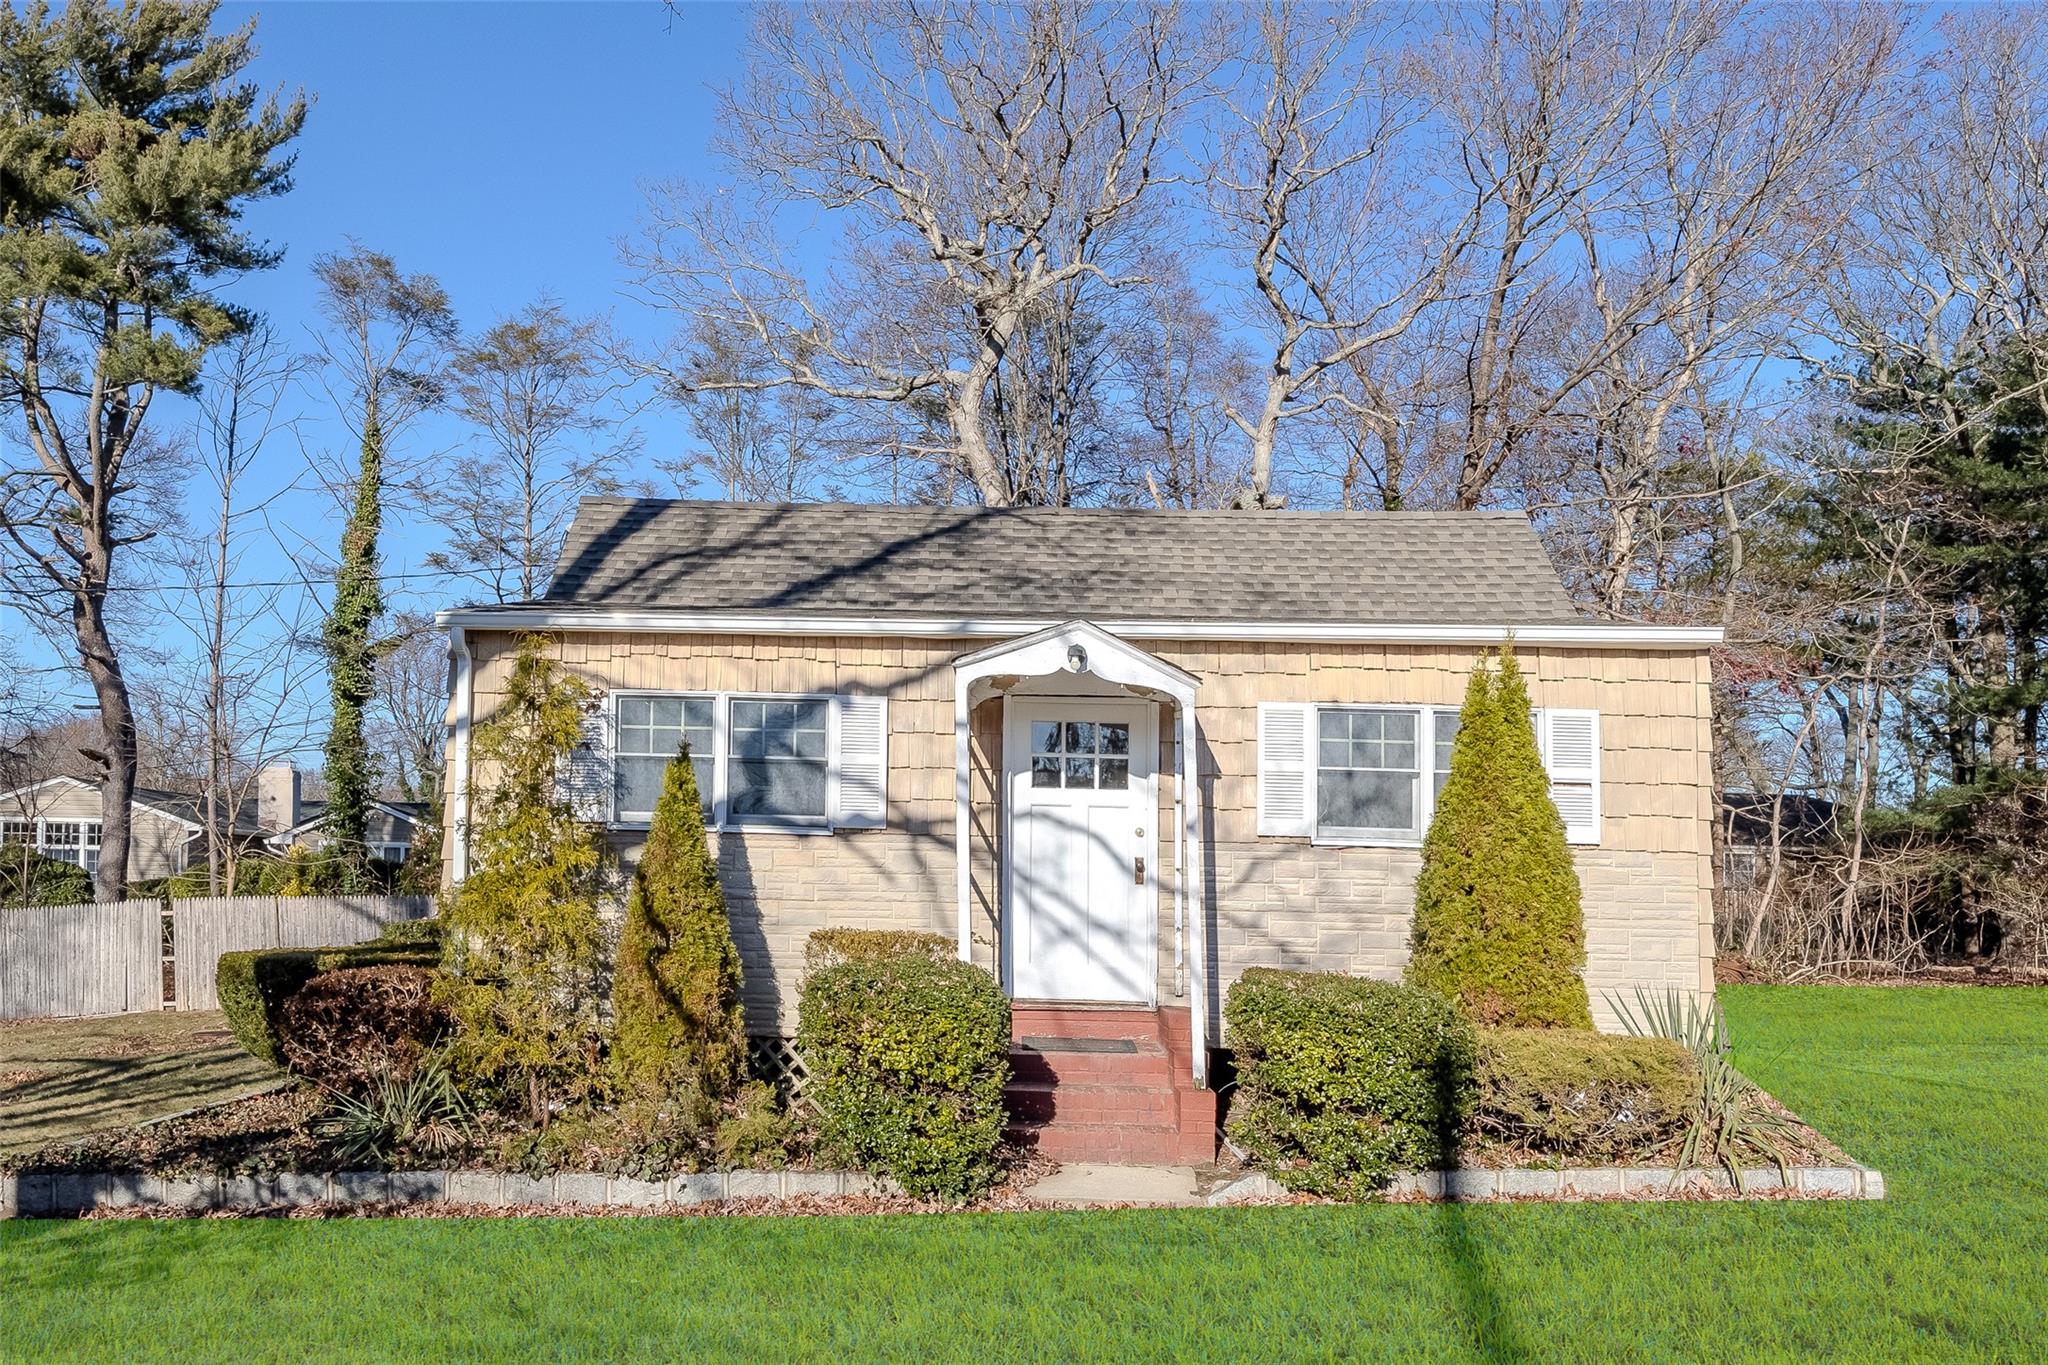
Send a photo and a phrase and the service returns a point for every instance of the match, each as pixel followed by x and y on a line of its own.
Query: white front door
pixel 1076 863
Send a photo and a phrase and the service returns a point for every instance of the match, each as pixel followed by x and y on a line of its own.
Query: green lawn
pixel 1945 1089
pixel 64 1078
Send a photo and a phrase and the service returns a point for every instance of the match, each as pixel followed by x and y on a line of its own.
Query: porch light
pixel 1077 659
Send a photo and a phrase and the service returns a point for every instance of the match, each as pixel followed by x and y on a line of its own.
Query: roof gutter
pixel 1590 635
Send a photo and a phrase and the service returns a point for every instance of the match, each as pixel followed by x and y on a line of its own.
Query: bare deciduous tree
pixel 537 386
pixel 981 162
pixel 1317 189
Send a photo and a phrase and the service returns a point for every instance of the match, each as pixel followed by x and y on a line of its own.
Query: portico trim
pixel 1083 648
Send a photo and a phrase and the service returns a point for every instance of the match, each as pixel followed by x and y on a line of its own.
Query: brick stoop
pixel 1109 1084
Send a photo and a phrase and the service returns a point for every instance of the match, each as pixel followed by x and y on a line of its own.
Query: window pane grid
pixel 649 732
pixel 1368 778
pixel 1081 754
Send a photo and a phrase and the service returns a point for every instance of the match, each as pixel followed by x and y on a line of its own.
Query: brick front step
pixel 1148 1064
pixel 1047 1102
pixel 1107 1083
pixel 1115 1144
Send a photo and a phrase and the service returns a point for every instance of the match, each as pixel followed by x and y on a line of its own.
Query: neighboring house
pixel 61 818
pixel 285 818
pixel 1746 821
pixel 981 722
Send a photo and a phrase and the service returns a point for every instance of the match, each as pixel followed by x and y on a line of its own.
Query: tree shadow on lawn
pixel 1459 1230
pixel 1460 1233
pixel 78 1096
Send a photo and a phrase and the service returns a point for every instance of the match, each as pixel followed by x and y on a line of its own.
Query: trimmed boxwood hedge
pixel 830 947
pixel 1342 1082
pixel 254 986
pixel 908 1057
pixel 1579 1095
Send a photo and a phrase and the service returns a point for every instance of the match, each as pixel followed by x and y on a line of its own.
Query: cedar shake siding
pixel 1280 901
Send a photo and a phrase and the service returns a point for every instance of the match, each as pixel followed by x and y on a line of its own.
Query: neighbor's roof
pixel 1442 568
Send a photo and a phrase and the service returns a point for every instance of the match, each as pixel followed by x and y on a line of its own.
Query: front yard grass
pixel 64 1078
pixel 1942 1089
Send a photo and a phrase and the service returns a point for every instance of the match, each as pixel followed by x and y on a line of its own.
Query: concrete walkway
pixel 1080 1184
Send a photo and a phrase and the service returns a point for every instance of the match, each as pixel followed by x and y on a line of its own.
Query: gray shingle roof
pixel 1448 568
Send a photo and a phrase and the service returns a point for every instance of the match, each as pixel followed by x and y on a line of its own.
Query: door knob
pixel 1141 871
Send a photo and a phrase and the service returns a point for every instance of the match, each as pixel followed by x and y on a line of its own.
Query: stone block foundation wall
pixel 1285 903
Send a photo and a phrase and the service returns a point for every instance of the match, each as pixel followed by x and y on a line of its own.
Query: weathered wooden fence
pixel 204 927
pixel 61 961
pixel 64 960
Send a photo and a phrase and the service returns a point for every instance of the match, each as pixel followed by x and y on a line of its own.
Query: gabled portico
pixel 1078 914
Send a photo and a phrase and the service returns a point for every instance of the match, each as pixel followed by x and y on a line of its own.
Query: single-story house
pixel 61 817
pixel 285 818
pixel 1118 756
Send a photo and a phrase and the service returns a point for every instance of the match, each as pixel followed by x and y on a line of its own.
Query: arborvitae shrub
pixel 908 1058
pixel 676 996
pixel 525 941
pixel 1342 1082
pixel 1497 919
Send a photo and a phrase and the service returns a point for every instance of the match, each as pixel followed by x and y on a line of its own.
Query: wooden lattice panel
pixel 776 1061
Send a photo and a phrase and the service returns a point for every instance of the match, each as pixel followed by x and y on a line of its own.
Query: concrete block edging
pixel 67 1194
pixel 1627 1182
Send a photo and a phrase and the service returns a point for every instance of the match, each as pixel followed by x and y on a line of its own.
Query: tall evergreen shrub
pixel 676 996
pixel 1498 924
pixel 525 944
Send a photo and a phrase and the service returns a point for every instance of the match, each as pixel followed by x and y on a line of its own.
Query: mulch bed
pixel 1732 969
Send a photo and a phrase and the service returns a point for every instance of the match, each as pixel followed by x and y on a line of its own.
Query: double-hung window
pixel 1372 774
pixel 651 731
pixel 1367 783
pixel 760 761
pixel 68 841
pixel 780 761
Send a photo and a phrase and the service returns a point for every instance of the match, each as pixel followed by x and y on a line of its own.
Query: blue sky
pixel 502 148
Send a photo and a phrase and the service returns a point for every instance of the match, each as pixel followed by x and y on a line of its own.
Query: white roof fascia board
pixel 134 802
pixel 1584 636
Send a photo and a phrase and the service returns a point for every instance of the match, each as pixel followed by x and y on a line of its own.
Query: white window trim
pixel 42 846
pixel 1587 836
pixel 1424 774
pixel 721 752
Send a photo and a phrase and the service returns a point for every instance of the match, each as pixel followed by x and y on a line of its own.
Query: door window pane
pixel 1081 753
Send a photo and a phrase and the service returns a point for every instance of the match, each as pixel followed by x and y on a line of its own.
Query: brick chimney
pixel 277 798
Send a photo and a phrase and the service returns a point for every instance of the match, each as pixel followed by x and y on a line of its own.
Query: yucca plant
pixel 422 1113
pixel 1730 1120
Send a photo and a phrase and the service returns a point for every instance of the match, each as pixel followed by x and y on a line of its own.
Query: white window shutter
pixel 1287 769
pixel 586 781
pixel 860 762
pixel 1570 741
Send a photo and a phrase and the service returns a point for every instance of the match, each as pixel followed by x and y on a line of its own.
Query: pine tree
pixel 677 993
pixel 526 944
pixel 131 151
pixel 1497 919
